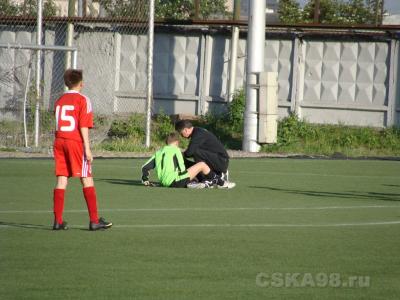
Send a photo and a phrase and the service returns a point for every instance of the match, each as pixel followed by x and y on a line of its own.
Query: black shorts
pixel 180 183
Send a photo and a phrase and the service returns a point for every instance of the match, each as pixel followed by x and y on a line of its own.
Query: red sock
pixel 91 202
pixel 58 205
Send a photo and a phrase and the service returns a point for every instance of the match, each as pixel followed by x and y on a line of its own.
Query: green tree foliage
pixel 126 9
pixel 177 9
pixel 27 8
pixel 329 11
pixel 7 8
pixel 290 12
pixel 356 12
pixel 209 8
pixel 341 12
pixel 235 113
pixel 164 9
pixel 376 6
pixel 184 9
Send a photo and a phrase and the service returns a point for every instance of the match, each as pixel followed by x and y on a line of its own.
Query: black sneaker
pixel 58 226
pixel 103 224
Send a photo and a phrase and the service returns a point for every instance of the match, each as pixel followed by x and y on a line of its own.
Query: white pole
pixel 233 62
pixel 38 70
pixel 28 79
pixel 75 59
pixel 150 72
pixel 70 35
pixel 255 65
pixel 80 8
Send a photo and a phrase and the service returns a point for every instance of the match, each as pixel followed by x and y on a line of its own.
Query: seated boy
pixel 171 171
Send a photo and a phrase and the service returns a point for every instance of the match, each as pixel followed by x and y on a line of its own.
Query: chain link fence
pixel 112 46
pixel 111 39
pixel 19 95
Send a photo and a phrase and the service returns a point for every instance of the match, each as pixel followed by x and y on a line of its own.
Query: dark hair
pixel 72 77
pixel 182 124
pixel 172 137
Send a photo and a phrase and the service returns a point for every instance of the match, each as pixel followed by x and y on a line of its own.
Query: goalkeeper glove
pixel 149 183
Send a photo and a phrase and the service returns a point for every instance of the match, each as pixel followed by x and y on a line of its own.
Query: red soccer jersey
pixel 73 111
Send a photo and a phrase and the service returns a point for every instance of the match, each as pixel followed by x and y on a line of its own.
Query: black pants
pixel 180 183
pixel 215 161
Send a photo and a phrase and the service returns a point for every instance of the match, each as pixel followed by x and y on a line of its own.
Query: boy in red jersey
pixel 72 154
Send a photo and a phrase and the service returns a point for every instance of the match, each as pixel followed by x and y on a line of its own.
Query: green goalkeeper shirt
pixel 169 165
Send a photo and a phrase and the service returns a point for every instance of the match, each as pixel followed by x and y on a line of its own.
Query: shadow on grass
pixel 345 195
pixel 24 225
pixel 121 181
pixel 41 227
pixel 392 185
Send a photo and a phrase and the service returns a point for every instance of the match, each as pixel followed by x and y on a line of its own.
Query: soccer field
pixel 291 229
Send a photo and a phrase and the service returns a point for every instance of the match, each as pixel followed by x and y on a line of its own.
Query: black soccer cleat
pixel 58 226
pixel 103 224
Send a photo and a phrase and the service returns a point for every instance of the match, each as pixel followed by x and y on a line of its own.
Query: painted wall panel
pixel 339 74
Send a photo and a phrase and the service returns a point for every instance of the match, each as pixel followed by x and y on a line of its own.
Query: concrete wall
pixel 325 78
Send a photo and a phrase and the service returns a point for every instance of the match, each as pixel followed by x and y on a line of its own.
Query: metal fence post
pixel 150 72
pixel 299 78
pixel 233 56
pixel 70 33
pixel 38 70
pixel 391 102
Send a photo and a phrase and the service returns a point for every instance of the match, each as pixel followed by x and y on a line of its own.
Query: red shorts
pixel 70 159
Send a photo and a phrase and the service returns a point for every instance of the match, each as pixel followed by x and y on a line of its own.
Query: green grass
pixel 299 136
pixel 138 260
pixel 293 136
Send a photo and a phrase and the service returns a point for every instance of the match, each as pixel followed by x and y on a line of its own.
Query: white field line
pixel 204 209
pixel 257 225
pixel 270 225
pixel 314 174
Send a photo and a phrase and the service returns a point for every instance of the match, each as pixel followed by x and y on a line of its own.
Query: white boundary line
pixel 257 225
pixel 202 209
pixel 207 209
pixel 315 174
pixel 163 226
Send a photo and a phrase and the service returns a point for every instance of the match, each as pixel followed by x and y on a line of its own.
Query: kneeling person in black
pixel 204 147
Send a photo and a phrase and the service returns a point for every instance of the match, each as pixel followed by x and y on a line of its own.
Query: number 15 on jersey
pixel 67 121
